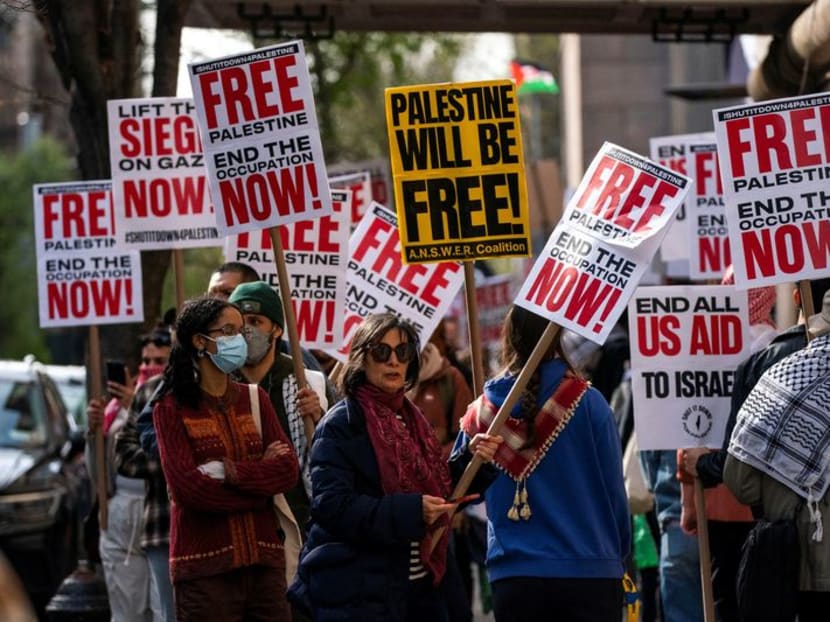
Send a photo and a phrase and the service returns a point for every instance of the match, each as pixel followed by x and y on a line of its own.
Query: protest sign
pixel 360 187
pixel 596 255
pixel 672 152
pixel 159 188
pixel 458 171
pixel 494 295
pixel 261 140
pixel 686 342
pixel 84 276
pixel 381 190
pixel 377 281
pixel 707 230
pixel 775 165
pixel 316 252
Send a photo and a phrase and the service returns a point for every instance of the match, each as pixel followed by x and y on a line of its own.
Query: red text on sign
pixel 315 320
pixel 657 335
pixel 381 247
pixel 159 136
pixel 713 254
pixel 260 90
pixel 161 197
pixel 786 249
pixel 316 235
pixel 261 195
pixel 77 215
pixel 716 334
pixel 582 298
pixel 707 173
pixel 779 140
pixel 626 196
pixel 89 299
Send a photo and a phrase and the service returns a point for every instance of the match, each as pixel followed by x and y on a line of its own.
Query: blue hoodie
pixel 580 526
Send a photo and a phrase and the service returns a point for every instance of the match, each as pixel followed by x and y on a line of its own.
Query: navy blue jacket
pixel 355 562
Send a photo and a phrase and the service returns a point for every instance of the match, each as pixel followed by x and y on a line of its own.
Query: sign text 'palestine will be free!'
pixel 458 171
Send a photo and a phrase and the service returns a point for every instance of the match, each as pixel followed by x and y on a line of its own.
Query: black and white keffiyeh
pixel 296 430
pixel 783 427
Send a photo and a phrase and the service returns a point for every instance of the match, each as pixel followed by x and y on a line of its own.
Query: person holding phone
pixel 126 568
pixel 379 491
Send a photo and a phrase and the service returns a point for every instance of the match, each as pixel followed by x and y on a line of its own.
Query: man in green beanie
pixel 274 371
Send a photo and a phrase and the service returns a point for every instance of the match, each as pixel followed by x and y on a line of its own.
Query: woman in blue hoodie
pixel 558 519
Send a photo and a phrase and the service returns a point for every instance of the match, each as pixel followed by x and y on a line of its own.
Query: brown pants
pixel 249 594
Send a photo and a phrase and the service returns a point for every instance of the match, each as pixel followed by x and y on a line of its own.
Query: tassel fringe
pixel 520 508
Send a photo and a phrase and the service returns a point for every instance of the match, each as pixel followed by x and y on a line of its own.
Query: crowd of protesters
pixel 223 506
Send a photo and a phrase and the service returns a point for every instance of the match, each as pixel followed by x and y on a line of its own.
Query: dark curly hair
pixel 522 331
pixel 370 332
pixel 181 375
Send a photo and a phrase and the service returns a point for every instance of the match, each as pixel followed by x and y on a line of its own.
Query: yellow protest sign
pixel 458 171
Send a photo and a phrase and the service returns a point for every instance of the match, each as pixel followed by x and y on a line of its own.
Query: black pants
pixel 531 599
pixel 813 606
pixel 725 542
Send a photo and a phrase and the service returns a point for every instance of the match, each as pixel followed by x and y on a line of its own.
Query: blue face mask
pixel 231 352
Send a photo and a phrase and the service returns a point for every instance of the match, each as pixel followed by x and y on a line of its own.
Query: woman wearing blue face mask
pixel 226 558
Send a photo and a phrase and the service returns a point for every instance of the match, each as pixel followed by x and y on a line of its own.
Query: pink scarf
pixel 409 459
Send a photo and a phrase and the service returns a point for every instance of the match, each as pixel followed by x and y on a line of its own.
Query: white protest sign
pixel 84 277
pixel 316 252
pixel 707 230
pixel 494 295
pixel 672 152
pixel 775 165
pixel 360 186
pixel 379 282
pixel 686 342
pixel 261 140
pixel 159 188
pixel 596 255
pixel 378 171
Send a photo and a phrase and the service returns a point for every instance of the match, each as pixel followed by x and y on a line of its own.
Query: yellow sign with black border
pixel 458 171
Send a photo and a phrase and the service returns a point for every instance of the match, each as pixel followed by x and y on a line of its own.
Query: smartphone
pixel 116 372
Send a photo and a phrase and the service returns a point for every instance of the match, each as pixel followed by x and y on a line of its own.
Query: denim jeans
pixel 679 575
pixel 159 558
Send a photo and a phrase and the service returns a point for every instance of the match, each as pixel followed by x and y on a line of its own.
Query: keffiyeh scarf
pixel 783 427
pixel 296 430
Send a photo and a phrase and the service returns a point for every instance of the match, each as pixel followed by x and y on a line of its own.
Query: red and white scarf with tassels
pixel 549 422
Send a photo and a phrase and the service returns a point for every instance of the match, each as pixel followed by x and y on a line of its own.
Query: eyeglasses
pixel 229 330
pixel 381 352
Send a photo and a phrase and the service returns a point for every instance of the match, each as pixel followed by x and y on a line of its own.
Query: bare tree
pixel 97 48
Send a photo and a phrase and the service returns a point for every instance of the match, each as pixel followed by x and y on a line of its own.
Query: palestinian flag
pixel 531 78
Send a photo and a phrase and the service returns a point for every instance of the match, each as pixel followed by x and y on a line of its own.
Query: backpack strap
pixel 253 393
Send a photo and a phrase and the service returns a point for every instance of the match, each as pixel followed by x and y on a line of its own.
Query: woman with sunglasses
pixel 226 557
pixel 379 491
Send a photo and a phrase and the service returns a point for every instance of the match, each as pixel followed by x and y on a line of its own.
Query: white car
pixel 71 382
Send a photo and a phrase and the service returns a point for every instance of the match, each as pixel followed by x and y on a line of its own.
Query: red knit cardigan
pixel 216 526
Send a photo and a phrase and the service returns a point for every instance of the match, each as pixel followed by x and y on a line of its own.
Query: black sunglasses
pixel 158 339
pixel 382 351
